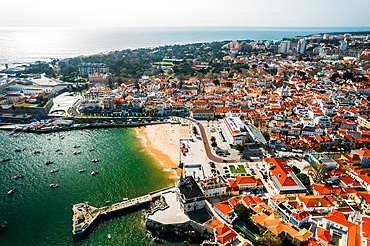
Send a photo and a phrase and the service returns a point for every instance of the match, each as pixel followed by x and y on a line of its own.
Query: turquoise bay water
pixel 39 215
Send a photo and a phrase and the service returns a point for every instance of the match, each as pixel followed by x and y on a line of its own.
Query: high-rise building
pixel 301 47
pixel 284 47
pixel 343 45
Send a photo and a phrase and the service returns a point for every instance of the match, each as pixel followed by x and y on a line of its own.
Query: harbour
pixel 43 214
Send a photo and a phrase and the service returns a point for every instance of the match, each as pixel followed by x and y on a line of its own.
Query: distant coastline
pixel 44 44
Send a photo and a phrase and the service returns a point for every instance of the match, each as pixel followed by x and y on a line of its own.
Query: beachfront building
pixel 86 69
pixel 189 194
pixel 235 130
pixel 284 180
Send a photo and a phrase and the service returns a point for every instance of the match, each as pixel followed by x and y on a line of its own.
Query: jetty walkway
pixel 85 215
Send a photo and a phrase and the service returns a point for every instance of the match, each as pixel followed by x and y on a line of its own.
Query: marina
pixel 122 174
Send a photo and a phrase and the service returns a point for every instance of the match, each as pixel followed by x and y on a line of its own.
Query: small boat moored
pixel 17 150
pixel 82 170
pixel 36 152
pixel 3 225
pixel 53 185
pixel 48 162
pixel 54 170
pixel 18 176
pixel 11 192
pixel 76 146
pixel 125 199
pixel 91 149
pixel 77 152
pixel 5 160
pixel 107 202
pixel 94 173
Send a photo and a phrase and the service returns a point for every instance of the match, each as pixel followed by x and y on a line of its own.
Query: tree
pixel 214 144
pixel 295 170
pixel 242 212
pixel 266 135
pixel 269 239
pixel 213 139
pixel 195 130
pixel 304 179
pixel 239 147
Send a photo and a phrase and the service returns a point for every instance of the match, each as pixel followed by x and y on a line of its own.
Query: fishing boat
pixel 54 170
pixel 36 152
pixel 95 160
pixel 5 160
pixel 57 150
pixel 92 149
pixel 82 170
pixel 18 176
pixel 48 162
pixel 76 146
pixel 53 185
pixel 3 225
pixel 11 192
pixel 77 152
pixel 94 173
pixel 17 150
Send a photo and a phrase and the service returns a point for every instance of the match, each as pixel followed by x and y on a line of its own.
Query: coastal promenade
pixel 85 215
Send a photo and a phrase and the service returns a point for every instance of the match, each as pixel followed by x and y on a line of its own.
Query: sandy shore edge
pixel 162 141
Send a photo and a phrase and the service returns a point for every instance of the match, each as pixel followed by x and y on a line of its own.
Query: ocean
pixel 39 215
pixel 25 45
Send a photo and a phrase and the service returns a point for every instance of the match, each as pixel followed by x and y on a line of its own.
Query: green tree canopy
pixel 269 239
pixel 304 179
pixel 242 212
pixel 195 130
pixel 239 147
pixel 295 170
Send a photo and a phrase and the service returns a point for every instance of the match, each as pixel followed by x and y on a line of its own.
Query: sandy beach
pixel 162 141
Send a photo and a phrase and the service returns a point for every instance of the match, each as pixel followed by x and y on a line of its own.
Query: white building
pixel 215 186
pixel 323 121
pixel 235 130
pixel 284 47
pixel 301 47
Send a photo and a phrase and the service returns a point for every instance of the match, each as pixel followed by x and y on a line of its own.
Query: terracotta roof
pixel 225 233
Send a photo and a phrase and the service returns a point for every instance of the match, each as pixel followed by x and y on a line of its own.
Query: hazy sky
pixel 105 13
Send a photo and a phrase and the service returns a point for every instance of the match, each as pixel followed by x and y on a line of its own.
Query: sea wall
pixel 190 230
pixel 35 111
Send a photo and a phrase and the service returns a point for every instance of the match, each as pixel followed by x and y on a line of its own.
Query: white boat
pixel 54 170
pixel 107 202
pixel 95 160
pixel 92 149
pixel 125 199
pixel 11 192
pixel 109 236
pixel 76 146
pixel 77 152
pixel 82 170
pixel 53 185
pixel 94 172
